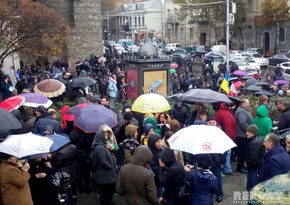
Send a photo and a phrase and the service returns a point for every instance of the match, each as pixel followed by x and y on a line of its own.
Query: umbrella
pixel 201 139
pixel 251 81
pixel 58 141
pixel 8 121
pixel 35 99
pixel 253 88
pixel 281 82
pixel 264 92
pixel 102 59
pixel 261 84
pixel 50 88
pixel 204 95
pixel 91 117
pixel 240 73
pixel 236 100
pixel 82 82
pixel 12 103
pixel 25 145
pixel 173 65
pixel 150 103
pixel 174 96
pixel 76 109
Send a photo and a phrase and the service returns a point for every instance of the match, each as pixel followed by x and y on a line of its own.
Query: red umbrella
pixel 12 103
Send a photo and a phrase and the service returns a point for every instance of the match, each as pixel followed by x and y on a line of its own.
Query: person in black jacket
pixel 180 112
pixel 171 176
pixel 254 155
pixel 284 120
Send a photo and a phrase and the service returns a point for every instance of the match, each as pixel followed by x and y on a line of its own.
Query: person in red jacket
pixel 226 120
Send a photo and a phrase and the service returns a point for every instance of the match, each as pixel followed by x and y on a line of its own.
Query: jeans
pixel 227 167
pixel 252 179
pixel 217 171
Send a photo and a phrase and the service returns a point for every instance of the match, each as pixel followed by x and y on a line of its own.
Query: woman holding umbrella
pixel 14 178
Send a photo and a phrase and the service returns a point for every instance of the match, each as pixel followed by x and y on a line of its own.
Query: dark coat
pixel 24 128
pixel 171 177
pixel 6 93
pixel 243 120
pixel 254 153
pixel 136 182
pixel 284 120
pixel 181 114
pixel 203 185
pixel 105 171
pixel 42 123
pixel 276 161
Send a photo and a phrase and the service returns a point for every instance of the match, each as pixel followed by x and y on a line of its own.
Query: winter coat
pixel 136 182
pixel 284 120
pixel 15 189
pixel 181 114
pixel 171 177
pixel 276 161
pixel 24 128
pixel 262 121
pixel 203 185
pixel 243 120
pixel 112 88
pixel 104 168
pixel 6 93
pixel 254 153
pixel 226 120
pixel 42 123
pixel 178 154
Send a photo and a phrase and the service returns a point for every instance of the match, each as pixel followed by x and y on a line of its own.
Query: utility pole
pixel 228 34
pixel 162 34
pixel 108 24
pixel 174 22
pixel 132 30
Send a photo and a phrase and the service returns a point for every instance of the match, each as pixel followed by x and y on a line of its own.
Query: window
pixel 191 33
pixel 143 21
pixel 181 34
pixel 250 5
pixel 282 35
pixel 139 21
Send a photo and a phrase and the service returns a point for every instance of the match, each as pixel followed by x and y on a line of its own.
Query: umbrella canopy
pixel 201 139
pixel 58 141
pixel 251 81
pixel 281 82
pixel 102 59
pixel 35 99
pixel 264 92
pixel 150 103
pixel 174 96
pixel 261 84
pixel 240 73
pixel 173 65
pixel 82 82
pixel 24 145
pixel 50 88
pixel 91 117
pixel 12 103
pixel 8 121
pixel 204 95
pixel 253 88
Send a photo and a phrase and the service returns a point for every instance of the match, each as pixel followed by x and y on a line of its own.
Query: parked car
pixel 182 56
pixel 235 53
pixel 218 53
pixel 263 62
pixel 242 65
pixel 213 61
pixel 251 62
pixel 279 58
pixel 171 47
pixel 286 70
pixel 255 50
pixel 200 51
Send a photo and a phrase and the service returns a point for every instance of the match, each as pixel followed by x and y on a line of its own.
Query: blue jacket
pixel 42 123
pixel 203 185
pixel 276 161
pixel 112 88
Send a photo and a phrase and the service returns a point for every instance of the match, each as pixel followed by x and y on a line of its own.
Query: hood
pixel 262 111
pixel 130 130
pixel 142 155
pixel 151 141
pixel 223 106
pixel 106 128
pixel 83 73
pixel 202 176
pixel 150 120
pixel 100 139
pixel 167 156
pixel 177 99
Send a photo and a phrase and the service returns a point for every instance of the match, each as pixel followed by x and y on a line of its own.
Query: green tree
pixel 275 13
pixel 31 28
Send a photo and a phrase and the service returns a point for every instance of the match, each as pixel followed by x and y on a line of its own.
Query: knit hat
pixel 41 109
pixel 204 161
pixel 130 130
pixel 253 129
pixel 147 128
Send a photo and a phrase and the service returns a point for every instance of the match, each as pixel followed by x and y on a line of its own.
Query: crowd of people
pixel 134 159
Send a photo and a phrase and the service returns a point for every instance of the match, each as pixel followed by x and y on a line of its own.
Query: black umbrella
pixel 8 121
pixel 263 92
pixel 82 82
pixel 261 84
pixel 251 81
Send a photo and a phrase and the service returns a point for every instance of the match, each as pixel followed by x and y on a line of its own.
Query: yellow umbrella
pixel 150 103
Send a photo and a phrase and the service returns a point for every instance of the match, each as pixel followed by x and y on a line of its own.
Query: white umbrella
pixel 201 139
pixel 25 145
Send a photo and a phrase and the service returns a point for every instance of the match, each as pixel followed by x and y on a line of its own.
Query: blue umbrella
pixel 58 141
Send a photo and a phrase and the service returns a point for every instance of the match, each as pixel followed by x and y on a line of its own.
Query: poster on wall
pixel 155 81
pixel 132 81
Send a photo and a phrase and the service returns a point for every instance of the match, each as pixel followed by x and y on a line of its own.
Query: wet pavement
pixel 233 187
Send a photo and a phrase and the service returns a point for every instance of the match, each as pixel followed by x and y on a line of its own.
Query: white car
pixel 244 66
pixel 252 63
pixel 171 47
pixel 119 48
pixel 235 53
pixel 286 70
pixel 263 62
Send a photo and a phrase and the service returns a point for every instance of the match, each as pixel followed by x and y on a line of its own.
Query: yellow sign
pixel 155 81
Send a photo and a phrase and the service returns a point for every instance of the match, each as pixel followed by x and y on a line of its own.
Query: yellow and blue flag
pixel 225 83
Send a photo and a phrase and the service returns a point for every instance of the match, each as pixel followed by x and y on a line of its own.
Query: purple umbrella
pixel 240 73
pixel 281 82
pixel 91 117
pixel 35 99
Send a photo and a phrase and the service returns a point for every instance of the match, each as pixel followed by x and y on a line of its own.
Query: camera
pixel 130 144
pixel 274 129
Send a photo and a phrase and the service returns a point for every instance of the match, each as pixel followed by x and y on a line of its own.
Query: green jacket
pixel 262 121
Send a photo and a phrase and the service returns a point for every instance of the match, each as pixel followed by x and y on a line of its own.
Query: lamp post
pixel 132 30
pixel 174 22
pixel 228 34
